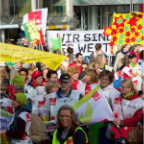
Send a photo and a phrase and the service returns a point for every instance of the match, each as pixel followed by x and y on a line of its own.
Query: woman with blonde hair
pixel 102 60
pixel 69 130
pixel 40 106
pixel 127 109
pixel 73 72
pixel 4 77
pixel 91 79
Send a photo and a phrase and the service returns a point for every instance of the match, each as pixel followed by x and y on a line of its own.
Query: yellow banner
pixel 13 53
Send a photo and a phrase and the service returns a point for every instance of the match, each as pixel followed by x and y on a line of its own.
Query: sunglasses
pixel 84 68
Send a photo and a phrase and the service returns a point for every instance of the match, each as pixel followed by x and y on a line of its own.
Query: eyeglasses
pixel 104 79
pixel 123 87
pixel 66 116
pixel 54 77
pixel 23 75
pixel 84 67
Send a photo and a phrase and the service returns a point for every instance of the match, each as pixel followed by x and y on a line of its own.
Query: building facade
pixel 64 14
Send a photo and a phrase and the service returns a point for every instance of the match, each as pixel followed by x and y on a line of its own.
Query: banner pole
pixel 41 45
pixel 61 44
pixel 109 58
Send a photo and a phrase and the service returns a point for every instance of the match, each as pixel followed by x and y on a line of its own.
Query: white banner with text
pixel 81 41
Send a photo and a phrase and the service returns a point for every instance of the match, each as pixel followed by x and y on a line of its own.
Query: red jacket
pixel 137 116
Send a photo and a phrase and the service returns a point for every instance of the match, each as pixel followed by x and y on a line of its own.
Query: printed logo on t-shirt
pixel 96 96
pixel 28 117
pixel 117 101
pixel 52 101
pixel 131 71
pixel 41 103
pixel 135 82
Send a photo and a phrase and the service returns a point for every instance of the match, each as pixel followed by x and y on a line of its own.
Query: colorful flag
pixel 40 16
pixel 13 53
pixel 93 108
pixel 41 38
pixel 127 28
pixel 31 32
pixel 56 44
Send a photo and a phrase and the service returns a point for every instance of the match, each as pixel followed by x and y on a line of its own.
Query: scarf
pixel 35 85
pixel 128 96
pixel 74 85
pixel 124 52
pixel 87 89
pixel 102 66
pixel 132 64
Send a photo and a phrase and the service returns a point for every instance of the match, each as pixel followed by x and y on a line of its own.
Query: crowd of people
pixel 35 88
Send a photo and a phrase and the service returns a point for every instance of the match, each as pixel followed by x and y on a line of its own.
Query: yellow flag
pixel 13 53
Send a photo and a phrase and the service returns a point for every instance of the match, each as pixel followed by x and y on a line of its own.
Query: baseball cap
pixel 65 78
pixel 131 56
pixel 36 74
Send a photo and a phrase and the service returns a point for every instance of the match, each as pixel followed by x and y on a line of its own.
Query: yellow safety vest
pixel 69 140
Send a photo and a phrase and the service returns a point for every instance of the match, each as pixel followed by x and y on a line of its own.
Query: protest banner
pixel 40 16
pixel 5 119
pixel 13 53
pixel 81 41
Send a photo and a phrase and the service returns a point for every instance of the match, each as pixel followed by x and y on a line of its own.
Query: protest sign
pixel 40 16
pixel 81 41
pixel 13 53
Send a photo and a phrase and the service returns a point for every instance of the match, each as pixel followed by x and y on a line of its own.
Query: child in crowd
pixel 136 50
pixel 133 71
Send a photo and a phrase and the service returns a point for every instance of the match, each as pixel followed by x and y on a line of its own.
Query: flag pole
pixel 40 41
pixel 109 58
pixel 41 45
pixel 61 44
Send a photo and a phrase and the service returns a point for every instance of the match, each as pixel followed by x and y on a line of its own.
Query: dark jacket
pixel 78 139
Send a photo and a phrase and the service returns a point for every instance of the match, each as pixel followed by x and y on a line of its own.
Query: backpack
pixel 37 131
